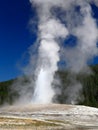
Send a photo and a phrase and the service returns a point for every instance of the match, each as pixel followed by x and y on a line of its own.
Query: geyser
pixel 58 20
pixel 74 19
pixel 49 57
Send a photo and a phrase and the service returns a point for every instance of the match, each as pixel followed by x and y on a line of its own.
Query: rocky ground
pixel 48 117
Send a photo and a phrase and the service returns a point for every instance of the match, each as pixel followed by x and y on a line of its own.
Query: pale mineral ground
pixel 48 117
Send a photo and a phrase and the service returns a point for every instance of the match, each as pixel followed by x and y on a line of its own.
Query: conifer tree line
pixel 89 91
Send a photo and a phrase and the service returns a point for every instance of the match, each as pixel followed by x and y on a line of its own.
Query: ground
pixel 48 117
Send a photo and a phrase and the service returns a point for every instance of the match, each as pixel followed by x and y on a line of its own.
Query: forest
pixel 89 91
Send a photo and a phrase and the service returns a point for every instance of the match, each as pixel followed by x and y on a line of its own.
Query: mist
pixel 57 21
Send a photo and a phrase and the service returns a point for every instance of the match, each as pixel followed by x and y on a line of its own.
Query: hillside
pixel 90 89
pixel 6 94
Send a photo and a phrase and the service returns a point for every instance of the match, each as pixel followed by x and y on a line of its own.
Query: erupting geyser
pixel 58 20
pixel 50 30
pixel 49 55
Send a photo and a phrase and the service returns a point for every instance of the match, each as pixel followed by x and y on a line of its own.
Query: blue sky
pixel 15 35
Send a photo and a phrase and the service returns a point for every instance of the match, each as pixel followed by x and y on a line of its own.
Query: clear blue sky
pixel 15 36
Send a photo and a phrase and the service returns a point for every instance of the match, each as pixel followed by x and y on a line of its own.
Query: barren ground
pixel 48 117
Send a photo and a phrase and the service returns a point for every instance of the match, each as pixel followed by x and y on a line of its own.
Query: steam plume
pixel 58 20
pixel 80 24
pixel 48 56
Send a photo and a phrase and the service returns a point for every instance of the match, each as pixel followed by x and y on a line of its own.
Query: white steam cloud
pixel 50 29
pixel 57 20
pixel 87 34
pixel 83 26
